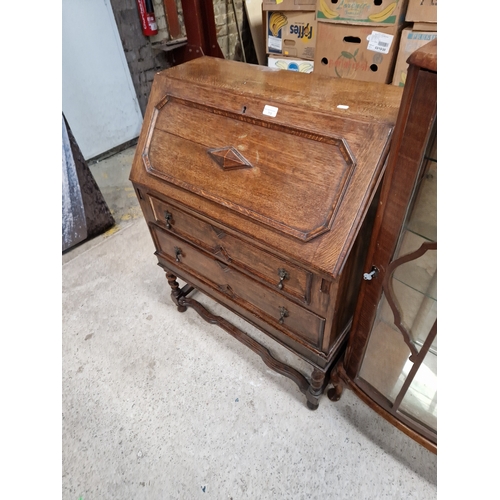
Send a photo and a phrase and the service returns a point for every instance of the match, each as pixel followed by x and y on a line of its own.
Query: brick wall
pixel 145 59
pixel 225 24
pixel 227 31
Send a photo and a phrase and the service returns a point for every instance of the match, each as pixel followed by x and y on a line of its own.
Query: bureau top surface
pixel 287 159
pixel 368 101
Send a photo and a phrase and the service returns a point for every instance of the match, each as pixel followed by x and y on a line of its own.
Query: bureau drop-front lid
pixel 271 153
pixel 283 176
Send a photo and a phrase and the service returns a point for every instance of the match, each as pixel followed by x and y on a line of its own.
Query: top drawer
pixel 279 273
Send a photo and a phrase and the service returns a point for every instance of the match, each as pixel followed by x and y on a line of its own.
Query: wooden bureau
pixel 259 188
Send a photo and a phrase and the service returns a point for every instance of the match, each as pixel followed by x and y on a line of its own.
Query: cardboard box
pixel 424 11
pixel 289 5
pixel 410 41
pixel 288 63
pixel 291 33
pixel 387 13
pixel 365 53
pixel 425 27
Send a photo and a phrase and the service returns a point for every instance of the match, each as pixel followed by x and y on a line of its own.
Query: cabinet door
pixel 392 353
pixel 400 361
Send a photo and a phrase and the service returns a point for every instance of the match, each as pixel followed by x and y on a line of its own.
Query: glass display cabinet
pixel 391 357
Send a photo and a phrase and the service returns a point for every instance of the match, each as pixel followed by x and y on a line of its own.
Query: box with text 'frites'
pixel 411 40
pixel 291 33
pixel 365 53
pixel 371 12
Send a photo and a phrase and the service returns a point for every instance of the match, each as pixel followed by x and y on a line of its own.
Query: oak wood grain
pixel 233 250
pixel 365 129
pixel 298 322
pixel 257 191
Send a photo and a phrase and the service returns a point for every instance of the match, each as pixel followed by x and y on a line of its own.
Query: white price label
pixel 270 110
pixel 379 42
pixel 274 43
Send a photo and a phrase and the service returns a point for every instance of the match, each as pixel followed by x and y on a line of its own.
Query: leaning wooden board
pixel 253 10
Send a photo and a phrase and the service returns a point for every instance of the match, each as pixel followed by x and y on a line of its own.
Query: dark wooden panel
pixel 174 29
pixel 98 216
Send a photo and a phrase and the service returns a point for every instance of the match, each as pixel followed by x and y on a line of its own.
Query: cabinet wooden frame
pixel 416 119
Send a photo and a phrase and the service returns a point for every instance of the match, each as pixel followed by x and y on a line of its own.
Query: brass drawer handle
pixel 223 266
pixel 178 254
pixel 168 218
pixel 283 315
pixel 283 274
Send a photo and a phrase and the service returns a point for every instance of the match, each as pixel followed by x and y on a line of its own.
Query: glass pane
pixel 386 365
pixel 419 273
pixel 420 401
pixel 415 282
pixel 386 355
pixel 423 220
pixel 415 292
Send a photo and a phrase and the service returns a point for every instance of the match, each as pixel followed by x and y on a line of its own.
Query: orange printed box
pixel 365 53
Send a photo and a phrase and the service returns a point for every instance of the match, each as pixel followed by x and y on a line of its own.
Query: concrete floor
pixel 162 405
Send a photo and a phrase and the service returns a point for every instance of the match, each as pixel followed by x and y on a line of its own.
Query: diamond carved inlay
pixel 229 158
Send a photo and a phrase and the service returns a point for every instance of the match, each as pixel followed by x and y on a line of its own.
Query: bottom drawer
pixel 278 311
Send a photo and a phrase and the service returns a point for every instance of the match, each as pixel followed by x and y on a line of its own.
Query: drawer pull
pixel 219 232
pixel 227 290
pixel 168 218
pixel 178 254
pixel 223 266
pixel 283 274
pixel 223 252
pixel 283 315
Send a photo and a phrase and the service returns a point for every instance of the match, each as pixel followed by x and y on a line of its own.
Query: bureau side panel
pixel 350 281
